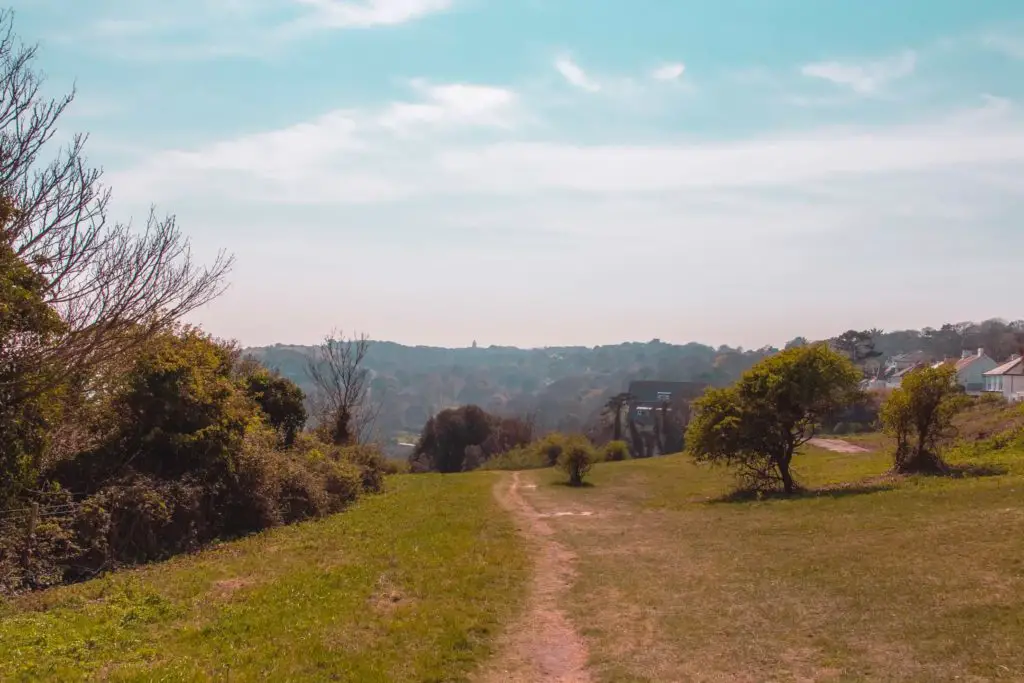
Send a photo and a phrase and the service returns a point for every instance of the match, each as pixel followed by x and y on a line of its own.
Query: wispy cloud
pixel 453 103
pixel 668 72
pixel 866 78
pixel 575 75
pixel 1009 44
pixel 200 29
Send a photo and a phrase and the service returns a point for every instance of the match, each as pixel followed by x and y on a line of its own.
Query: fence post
pixel 30 532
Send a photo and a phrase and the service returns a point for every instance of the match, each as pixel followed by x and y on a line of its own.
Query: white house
pixel 971 369
pixel 1007 379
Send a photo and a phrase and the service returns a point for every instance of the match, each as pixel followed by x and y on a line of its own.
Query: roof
pixel 1008 367
pixel 965 362
pixel 906 371
pixel 912 357
pixel 646 391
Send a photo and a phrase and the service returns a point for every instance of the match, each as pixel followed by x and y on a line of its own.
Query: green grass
pixel 412 585
pixel 917 579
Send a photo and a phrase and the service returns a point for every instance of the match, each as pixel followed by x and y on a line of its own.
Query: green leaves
pixel 771 410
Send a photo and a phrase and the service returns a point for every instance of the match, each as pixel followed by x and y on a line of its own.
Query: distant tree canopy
pixel 568 388
pixel 858 346
pixel 457 439
pixel 756 425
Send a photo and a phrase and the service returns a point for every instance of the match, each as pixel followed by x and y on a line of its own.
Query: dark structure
pixel 648 395
pixel 658 415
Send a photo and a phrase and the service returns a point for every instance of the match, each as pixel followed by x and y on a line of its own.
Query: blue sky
pixel 540 172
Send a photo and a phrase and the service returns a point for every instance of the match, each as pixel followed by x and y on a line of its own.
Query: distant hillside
pixel 566 387
pixel 563 387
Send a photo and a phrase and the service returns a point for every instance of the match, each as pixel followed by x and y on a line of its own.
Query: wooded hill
pixel 565 388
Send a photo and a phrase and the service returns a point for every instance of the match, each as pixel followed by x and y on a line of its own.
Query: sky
pixel 563 172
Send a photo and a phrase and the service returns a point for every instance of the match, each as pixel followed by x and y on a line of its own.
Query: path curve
pixel 542 646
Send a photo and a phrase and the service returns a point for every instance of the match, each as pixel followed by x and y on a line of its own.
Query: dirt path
pixel 543 646
pixel 837 445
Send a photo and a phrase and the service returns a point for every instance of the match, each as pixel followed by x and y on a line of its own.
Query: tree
pixel 26 324
pixel 281 400
pixel 919 415
pixel 113 287
pixel 615 405
pixel 576 460
pixel 341 403
pixel 757 424
pixel 858 346
pixel 446 436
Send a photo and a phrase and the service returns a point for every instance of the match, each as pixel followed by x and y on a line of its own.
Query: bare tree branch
pixel 341 404
pixel 115 287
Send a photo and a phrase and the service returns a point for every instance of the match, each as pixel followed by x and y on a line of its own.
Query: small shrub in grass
pixel 551 447
pixel 576 460
pixel 615 451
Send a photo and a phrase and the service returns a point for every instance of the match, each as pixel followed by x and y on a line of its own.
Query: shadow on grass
pixel 836 491
pixel 565 484
pixel 973 471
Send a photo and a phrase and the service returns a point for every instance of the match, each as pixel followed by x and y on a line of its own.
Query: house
pixel 905 361
pixel 649 395
pixel 1007 379
pixel 970 370
pixel 894 380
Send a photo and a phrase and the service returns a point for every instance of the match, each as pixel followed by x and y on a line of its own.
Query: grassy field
pixel 411 585
pixel 913 580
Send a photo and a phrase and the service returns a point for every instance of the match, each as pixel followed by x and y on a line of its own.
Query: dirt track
pixel 542 646
pixel 837 445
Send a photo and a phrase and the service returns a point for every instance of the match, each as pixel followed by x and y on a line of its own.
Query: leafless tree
pixel 342 404
pixel 114 286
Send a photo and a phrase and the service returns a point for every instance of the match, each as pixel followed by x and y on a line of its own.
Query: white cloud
pixel 363 13
pixel 454 103
pixel 573 73
pixel 867 78
pixel 201 29
pixel 668 72
pixel 359 156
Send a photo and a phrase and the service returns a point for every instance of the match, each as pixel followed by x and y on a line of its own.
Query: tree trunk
pixel 787 477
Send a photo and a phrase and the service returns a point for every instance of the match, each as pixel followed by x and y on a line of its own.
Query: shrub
pixel 615 451
pixel 371 464
pixel 522 458
pixel 841 428
pixel 576 460
pixel 552 446
pixel 342 482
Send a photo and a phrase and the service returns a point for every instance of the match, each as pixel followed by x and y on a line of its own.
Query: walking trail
pixel 542 646
pixel 837 445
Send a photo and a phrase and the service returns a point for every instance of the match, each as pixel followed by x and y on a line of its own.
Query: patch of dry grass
pixel 918 579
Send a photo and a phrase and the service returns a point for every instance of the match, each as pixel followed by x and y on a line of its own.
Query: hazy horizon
pixel 563 174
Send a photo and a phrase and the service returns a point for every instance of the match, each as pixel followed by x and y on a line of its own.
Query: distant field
pixel 913 580
pixel 408 586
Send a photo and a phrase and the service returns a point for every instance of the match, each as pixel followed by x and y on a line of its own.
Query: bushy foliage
pixel 576 460
pixel 464 438
pixel 919 415
pixel 281 400
pixel 756 425
pixel 26 410
pixel 186 456
pixel 615 451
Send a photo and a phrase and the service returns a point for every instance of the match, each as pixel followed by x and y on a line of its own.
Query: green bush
pixel 552 446
pixel 615 451
pixel 841 428
pixel 522 458
pixel 576 460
